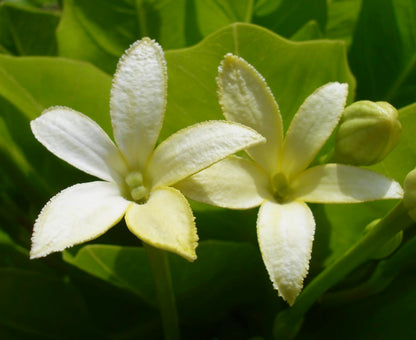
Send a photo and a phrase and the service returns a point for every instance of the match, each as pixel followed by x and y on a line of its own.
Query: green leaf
pixel 27 31
pixel 285 17
pixel 403 157
pixel 100 30
pixel 387 315
pixel 293 71
pixel 309 31
pixel 383 54
pixel 34 3
pixel 30 84
pixel 342 18
pixel 35 304
pixel 125 267
pixel 339 226
pixel 209 279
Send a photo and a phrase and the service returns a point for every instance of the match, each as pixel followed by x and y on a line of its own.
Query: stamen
pixel 138 191
pixel 134 179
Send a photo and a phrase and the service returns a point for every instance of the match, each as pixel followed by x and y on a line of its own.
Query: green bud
pixel 409 199
pixel 368 131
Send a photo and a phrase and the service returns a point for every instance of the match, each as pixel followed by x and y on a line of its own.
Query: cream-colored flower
pixel 277 177
pixel 137 177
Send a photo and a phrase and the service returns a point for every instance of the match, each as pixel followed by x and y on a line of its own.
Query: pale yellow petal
pixel 197 147
pixel 138 100
pixel 312 125
pixel 337 183
pixel 285 233
pixel 234 183
pixel 245 98
pixel 80 141
pixel 165 221
pixel 77 214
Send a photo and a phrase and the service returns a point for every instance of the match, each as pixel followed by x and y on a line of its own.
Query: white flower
pixel 137 179
pixel 277 178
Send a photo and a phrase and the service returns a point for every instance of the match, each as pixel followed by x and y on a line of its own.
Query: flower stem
pixel 288 322
pixel 160 268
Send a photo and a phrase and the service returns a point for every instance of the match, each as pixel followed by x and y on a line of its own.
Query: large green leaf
pixel 30 84
pixel 226 272
pixel 27 31
pixel 292 70
pixel 342 18
pixel 387 315
pixel 285 17
pixel 35 304
pixel 100 30
pixel 383 53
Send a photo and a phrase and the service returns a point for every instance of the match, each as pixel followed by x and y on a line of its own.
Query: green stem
pixel 288 322
pixel 160 268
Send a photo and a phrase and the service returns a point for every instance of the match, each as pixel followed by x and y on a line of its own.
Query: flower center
pixel 280 186
pixel 138 191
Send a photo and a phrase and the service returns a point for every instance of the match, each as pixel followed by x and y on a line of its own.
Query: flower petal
pixel 196 147
pixel 80 141
pixel 311 127
pixel 165 221
pixel 337 183
pixel 77 214
pixel 285 233
pixel 138 100
pixel 234 183
pixel 245 98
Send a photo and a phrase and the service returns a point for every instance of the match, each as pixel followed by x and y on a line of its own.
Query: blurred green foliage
pixel 65 52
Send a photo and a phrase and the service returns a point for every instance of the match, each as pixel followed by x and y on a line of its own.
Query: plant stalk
pixel 159 263
pixel 288 322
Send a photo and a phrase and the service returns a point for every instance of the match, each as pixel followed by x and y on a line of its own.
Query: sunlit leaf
pixel 290 75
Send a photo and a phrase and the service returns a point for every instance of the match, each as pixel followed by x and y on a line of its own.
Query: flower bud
pixel 368 131
pixel 409 199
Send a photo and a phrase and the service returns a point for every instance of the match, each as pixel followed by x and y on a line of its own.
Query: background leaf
pixel 293 71
pixel 27 31
pixel 383 54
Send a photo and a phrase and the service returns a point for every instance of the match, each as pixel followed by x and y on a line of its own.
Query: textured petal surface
pixel 234 183
pixel 311 127
pixel 409 199
pixel 197 147
pixel 245 98
pixel 138 100
pixel 77 214
pixel 337 183
pixel 80 141
pixel 165 221
pixel 285 233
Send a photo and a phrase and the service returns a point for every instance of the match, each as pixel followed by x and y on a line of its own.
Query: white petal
pixel 245 98
pixel 312 126
pixel 77 214
pixel 337 183
pixel 165 221
pixel 138 100
pixel 285 233
pixel 234 183
pixel 196 147
pixel 80 141
pixel 409 199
